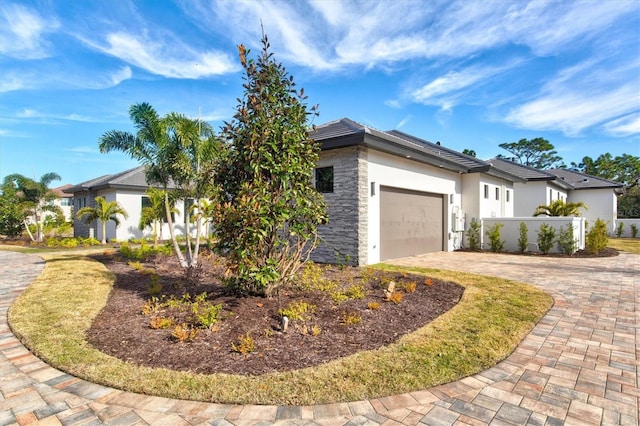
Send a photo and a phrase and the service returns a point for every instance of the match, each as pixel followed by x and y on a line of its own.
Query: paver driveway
pixel 578 366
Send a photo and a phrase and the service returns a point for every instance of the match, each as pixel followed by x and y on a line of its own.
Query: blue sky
pixel 471 74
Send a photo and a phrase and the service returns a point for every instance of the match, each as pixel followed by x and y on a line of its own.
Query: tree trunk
pixel 176 246
pixel 104 232
pixel 26 226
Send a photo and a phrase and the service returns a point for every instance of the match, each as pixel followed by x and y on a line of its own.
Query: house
pixel 64 200
pixel 541 187
pixel 127 188
pixel 390 194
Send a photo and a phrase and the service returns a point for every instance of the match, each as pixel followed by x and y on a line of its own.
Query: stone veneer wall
pixel 347 230
pixel 80 228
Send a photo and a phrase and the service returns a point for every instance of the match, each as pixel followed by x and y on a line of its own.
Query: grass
pixel 631 245
pixel 52 315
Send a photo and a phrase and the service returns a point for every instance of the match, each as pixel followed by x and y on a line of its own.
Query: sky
pixel 471 74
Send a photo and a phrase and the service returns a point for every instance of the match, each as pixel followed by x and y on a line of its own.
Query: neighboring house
pixel 127 188
pixel 64 201
pixel 392 195
pixel 544 186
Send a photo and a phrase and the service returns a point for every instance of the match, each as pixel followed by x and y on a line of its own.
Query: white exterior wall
pixel 131 202
pixel 530 195
pixel 393 171
pixel 626 228
pixel 601 204
pixel 510 232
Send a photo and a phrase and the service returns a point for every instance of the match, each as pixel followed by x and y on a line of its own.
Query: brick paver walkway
pixel 579 366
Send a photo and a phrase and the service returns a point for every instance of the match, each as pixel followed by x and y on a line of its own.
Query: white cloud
pixel 624 126
pixel 22 32
pixel 403 122
pixel 170 58
pixel 29 113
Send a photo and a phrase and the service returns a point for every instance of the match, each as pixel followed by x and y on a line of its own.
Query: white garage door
pixel 411 222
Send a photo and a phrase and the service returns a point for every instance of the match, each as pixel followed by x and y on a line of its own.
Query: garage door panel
pixel 411 222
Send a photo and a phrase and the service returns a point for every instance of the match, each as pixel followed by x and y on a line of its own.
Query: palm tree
pixel 154 213
pixel 560 208
pixel 35 198
pixel 103 211
pixel 174 149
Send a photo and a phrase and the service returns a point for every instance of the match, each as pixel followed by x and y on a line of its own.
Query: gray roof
pixel 345 132
pixel 132 178
pixel 568 179
pixel 580 180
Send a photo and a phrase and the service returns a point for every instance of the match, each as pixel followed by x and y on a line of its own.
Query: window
pixel 146 202
pixel 550 195
pixel 65 202
pixel 324 179
pixel 507 195
pixel 497 193
pixel 486 191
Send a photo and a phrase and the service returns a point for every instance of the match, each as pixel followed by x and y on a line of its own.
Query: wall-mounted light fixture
pixel 373 189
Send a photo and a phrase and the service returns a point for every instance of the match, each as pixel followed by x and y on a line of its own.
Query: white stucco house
pixel 127 188
pixel 541 187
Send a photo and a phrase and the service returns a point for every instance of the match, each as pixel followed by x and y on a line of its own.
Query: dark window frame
pixel 324 179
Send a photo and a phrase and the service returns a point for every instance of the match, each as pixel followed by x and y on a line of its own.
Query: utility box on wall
pixel 457 220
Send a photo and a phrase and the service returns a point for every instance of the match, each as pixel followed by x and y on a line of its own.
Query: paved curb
pixel 579 365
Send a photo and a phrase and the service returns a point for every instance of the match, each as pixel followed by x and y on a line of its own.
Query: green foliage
pixel 538 153
pixel 495 243
pixel 184 333
pixel 143 252
pixel 350 318
pixel 103 211
pixel 619 229
pixel 596 238
pixel 29 198
pixel 624 168
pixel 629 203
pixel 560 208
pixel 473 235
pixel 71 242
pixel 298 311
pixel 566 241
pixel 245 344
pixel 267 220
pixel 634 230
pixel 546 238
pixel 523 238
pixel 354 291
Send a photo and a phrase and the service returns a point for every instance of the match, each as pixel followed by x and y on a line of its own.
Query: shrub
pixel 297 311
pixel 619 229
pixel 207 314
pixel 567 243
pixel 184 333
pixel 546 238
pixel 410 287
pixel 354 291
pixel 160 323
pixel 143 252
pixel 473 235
pixel 245 344
pixel 596 238
pixel 350 318
pixel 396 297
pixel 523 239
pixel 495 243
pixel 373 306
pixel 155 286
pixel 634 230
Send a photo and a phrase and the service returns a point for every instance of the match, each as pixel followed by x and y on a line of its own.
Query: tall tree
pixel 12 214
pixel 154 213
pixel 538 153
pixel 35 199
pixel 470 152
pixel 171 149
pixel 103 211
pixel 267 221
pixel 560 208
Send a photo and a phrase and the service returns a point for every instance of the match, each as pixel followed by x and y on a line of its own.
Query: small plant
pixel 268 332
pixel 160 323
pixel 546 238
pixel 350 318
pixel 634 230
pixel 354 291
pixel 184 333
pixel 245 344
pixel 373 306
pixel 155 286
pixel 473 235
pixel 207 315
pixel 396 297
pixel 619 229
pixel 596 238
pixel 315 330
pixel 566 241
pixel 410 287
pixel 428 282
pixel 523 239
pixel 152 305
pixel 298 311
pixel 495 243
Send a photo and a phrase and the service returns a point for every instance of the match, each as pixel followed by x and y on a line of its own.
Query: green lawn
pixel 631 245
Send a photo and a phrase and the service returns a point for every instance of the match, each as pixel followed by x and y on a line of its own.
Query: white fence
pixel 626 228
pixel 510 232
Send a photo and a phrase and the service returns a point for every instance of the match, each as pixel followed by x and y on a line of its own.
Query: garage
pixel 411 222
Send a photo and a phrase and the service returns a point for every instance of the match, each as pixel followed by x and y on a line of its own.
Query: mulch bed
pixel 123 331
